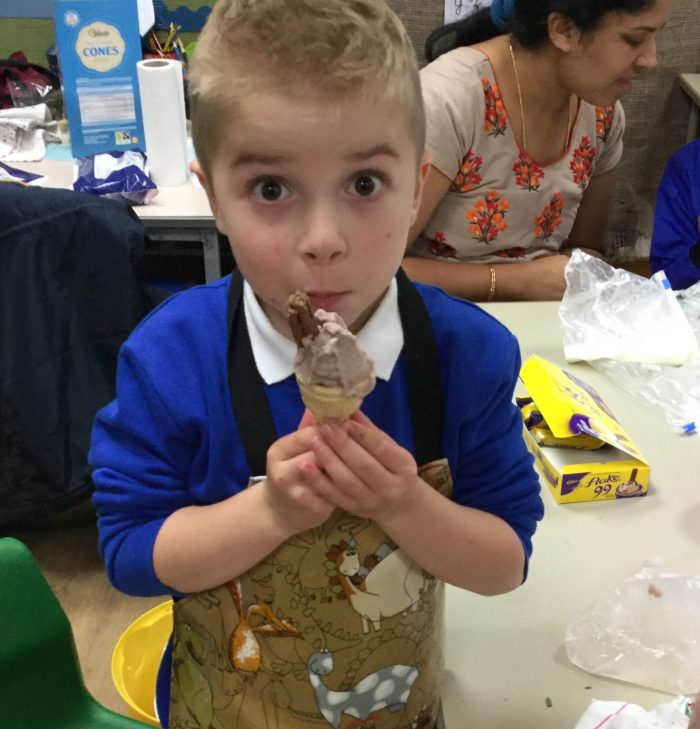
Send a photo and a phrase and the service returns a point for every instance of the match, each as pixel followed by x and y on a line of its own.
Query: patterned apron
pixel 337 627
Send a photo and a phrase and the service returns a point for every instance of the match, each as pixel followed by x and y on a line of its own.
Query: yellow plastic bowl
pixel 136 659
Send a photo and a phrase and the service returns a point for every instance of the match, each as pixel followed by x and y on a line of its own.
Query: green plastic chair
pixel 41 684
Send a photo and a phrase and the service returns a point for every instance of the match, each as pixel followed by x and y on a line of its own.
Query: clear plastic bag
pixel 645 631
pixel 638 333
pixel 621 715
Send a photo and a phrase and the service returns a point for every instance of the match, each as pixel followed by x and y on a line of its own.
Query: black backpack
pixel 26 84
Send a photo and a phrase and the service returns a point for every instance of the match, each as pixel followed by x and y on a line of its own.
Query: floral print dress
pixel 502 205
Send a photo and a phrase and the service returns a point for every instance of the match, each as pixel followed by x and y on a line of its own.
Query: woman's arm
pixel 538 280
pixel 435 188
pixel 591 224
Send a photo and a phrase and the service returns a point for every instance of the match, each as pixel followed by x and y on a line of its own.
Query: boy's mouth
pixel 327 300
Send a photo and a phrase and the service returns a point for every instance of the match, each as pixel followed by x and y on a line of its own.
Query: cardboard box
pixel 99 46
pixel 617 470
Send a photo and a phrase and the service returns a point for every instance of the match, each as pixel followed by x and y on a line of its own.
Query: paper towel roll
pixel 164 122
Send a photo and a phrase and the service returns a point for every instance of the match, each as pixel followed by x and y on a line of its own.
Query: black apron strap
pixel 422 372
pixel 247 389
pixel 252 410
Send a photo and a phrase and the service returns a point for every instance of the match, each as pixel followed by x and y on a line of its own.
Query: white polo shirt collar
pixel 381 337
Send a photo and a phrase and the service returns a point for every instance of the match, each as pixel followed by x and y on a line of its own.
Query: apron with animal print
pixel 338 627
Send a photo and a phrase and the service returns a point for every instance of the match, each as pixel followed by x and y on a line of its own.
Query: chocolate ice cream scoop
pixel 333 373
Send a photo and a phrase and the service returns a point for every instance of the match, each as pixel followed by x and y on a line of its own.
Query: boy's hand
pixel 360 469
pixel 296 506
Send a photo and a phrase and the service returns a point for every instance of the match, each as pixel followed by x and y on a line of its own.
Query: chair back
pixel 41 684
pixel 72 288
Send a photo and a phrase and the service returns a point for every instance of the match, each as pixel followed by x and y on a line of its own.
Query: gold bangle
pixel 492 288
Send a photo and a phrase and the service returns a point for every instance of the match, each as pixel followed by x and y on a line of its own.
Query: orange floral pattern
pixel 487 217
pixel 603 121
pixel 517 252
pixel 495 120
pixel 439 246
pixel 468 176
pixel 581 164
pixel 532 202
pixel 528 174
pixel 549 219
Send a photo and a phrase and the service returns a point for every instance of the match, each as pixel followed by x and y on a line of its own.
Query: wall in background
pixel 31 35
pixel 27 25
pixel 26 9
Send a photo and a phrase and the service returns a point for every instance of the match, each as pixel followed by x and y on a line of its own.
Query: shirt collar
pixel 381 337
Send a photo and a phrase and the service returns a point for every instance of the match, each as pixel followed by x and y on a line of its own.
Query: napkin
pixel 619 715
pixel 24 131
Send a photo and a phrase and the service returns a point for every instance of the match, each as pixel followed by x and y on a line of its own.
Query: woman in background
pixel 525 128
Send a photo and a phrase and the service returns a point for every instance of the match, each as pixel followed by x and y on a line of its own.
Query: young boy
pixel 308 561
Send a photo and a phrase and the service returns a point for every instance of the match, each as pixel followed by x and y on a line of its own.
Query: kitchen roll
pixel 164 122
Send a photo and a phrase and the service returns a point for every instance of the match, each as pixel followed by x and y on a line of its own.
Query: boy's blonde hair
pixel 337 48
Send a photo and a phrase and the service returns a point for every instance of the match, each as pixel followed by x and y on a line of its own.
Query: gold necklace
pixel 520 103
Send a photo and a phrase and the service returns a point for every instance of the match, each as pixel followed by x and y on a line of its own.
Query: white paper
pixel 164 123
pixel 458 9
pixel 24 131
pixel 619 715
pixel 147 16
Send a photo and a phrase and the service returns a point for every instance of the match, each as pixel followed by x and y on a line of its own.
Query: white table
pixel 690 83
pixel 176 214
pixel 505 655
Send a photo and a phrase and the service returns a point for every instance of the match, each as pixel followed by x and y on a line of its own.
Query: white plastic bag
pixel 610 313
pixel 646 630
pixel 619 715
pixel 638 333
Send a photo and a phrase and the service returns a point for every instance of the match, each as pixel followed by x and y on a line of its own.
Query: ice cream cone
pixel 328 403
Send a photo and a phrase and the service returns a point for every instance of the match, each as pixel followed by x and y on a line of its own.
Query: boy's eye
pixel 270 190
pixel 366 184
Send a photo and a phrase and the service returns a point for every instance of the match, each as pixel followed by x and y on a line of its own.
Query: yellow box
pixel 569 406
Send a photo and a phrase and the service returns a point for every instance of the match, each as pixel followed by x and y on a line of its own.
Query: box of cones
pixel 580 449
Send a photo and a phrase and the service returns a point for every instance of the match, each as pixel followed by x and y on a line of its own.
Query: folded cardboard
pixel 99 46
pixel 617 470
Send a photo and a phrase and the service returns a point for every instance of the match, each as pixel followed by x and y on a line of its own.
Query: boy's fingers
pixel 293 444
pixel 380 446
pixel 320 483
pixel 359 417
pixel 307 419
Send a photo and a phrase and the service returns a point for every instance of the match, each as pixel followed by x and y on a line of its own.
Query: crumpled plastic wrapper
pixel 639 333
pixel 24 132
pixel 619 715
pixel 646 631
pixel 117 175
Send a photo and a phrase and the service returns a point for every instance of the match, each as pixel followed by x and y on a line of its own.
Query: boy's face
pixel 316 196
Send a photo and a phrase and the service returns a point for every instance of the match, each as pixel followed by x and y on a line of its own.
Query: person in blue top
pixel 675 241
pixel 308 560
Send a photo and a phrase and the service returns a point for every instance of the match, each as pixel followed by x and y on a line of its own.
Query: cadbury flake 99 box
pixel 580 449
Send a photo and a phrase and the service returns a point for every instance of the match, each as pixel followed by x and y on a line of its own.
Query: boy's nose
pixel 322 240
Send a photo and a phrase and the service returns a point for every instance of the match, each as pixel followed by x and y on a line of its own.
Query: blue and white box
pixel 99 45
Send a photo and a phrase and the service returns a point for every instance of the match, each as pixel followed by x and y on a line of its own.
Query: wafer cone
pixel 328 403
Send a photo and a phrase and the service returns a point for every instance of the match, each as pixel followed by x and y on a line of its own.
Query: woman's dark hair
pixel 528 24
